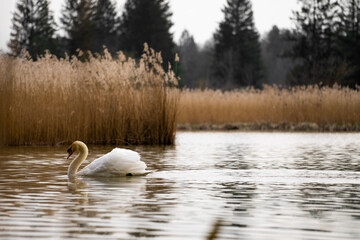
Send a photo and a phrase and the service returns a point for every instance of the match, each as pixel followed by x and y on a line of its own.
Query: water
pixel 258 185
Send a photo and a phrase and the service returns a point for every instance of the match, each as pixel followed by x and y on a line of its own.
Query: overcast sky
pixel 200 17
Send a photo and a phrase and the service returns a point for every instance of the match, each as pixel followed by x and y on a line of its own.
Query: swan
pixel 118 162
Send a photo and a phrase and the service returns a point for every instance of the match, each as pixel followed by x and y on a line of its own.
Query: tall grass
pixel 271 105
pixel 122 101
pixel 102 101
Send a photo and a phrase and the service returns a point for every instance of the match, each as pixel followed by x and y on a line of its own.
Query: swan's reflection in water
pixel 76 187
pixel 113 201
pixel 107 192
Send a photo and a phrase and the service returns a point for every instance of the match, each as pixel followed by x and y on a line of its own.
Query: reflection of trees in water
pixel 155 206
pixel 234 156
pixel 314 157
pixel 322 199
pixel 141 232
pixel 154 199
pixel 310 158
pixel 352 200
pixel 317 199
pixel 239 199
pixel 238 196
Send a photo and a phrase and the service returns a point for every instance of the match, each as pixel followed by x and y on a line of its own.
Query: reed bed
pixel 102 101
pixel 312 104
pixel 122 101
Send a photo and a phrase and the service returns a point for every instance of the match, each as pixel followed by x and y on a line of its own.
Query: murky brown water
pixel 261 185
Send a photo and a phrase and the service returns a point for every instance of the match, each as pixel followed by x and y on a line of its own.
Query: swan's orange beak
pixel 69 151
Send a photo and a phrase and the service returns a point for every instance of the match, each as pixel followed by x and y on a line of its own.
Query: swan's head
pixel 75 146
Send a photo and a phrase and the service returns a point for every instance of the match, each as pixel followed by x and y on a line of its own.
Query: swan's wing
pixel 128 161
pixel 117 162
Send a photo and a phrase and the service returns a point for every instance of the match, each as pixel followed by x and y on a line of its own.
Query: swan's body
pixel 118 162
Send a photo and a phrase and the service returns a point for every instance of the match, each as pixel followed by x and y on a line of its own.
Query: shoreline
pixel 245 127
pixel 281 127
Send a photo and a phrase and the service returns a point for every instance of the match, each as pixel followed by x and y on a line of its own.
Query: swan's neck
pixel 75 164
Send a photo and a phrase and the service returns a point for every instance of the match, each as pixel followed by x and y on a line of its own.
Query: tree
pixel 195 62
pixel 23 27
pixel 317 26
pixel 189 60
pixel 44 31
pixel 106 24
pixel 33 28
pixel 349 42
pixel 275 46
pixel 237 48
pixel 147 21
pixel 78 22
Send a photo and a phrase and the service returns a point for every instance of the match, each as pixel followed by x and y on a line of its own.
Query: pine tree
pixel 147 21
pixel 274 54
pixel 22 34
pixel 316 43
pixel 44 29
pixel 106 24
pixel 195 62
pixel 33 28
pixel 349 44
pixel 237 48
pixel 78 22
pixel 189 60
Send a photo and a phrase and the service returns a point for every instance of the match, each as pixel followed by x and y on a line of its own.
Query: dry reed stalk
pixel 271 105
pixel 103 101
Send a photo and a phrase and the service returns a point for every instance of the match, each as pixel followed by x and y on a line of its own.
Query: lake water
pixel 256 185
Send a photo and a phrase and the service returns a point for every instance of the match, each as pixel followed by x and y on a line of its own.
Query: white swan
pixel 118 162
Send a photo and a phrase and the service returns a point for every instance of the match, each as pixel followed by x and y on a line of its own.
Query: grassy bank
pixel 302 108
pixel 103 101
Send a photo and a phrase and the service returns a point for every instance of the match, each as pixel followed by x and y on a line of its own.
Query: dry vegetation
pixel 321 106
pixel 121 101
pixel 105 100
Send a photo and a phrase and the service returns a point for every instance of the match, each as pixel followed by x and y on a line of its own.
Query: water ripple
pixel 260 185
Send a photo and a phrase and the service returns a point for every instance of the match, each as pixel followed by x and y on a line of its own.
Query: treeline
pixel 89 25
pixel 322 49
